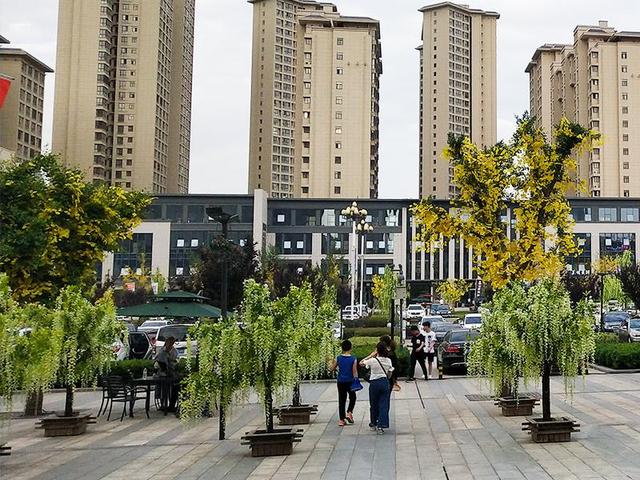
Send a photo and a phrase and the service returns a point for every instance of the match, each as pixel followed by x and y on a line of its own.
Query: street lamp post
pixel 355 214
pixel 399 290
pixel 224 219
pixel 363 228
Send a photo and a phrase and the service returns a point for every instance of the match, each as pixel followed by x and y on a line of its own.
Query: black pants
pixel 420 359
pixel 344 389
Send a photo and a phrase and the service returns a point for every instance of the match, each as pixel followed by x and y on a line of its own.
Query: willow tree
pixel 530 175
pixel 384 289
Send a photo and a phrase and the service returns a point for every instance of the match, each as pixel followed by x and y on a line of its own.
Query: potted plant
pixel 87 331
pixel 29 339
pixel 265 350
pixel 313 345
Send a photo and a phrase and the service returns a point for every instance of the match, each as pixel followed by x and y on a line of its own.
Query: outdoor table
pixel 165 386
pixel 142 382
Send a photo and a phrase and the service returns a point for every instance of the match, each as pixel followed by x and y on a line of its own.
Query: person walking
pixel 347 367
pixel 379 397
pixel 391 348
pixel 418 353
pixel 430 342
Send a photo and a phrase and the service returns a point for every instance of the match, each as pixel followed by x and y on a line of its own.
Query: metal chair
pixel 118 392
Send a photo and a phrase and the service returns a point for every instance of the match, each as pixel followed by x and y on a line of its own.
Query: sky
pixel 222 63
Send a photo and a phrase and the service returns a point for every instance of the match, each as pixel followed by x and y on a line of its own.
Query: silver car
pixel 629 330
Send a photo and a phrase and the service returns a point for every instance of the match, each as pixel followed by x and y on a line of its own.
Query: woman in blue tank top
pixel 347 367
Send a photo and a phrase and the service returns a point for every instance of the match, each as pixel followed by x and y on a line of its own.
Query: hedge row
pixel 373 321
pixel 365 332
pixel 618 355
pixel 402 353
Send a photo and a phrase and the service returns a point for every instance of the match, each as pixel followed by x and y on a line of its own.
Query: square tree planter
pixel 517 407
pixel 279 442
pixel 61 426
pixel 551 431
pixel 296 415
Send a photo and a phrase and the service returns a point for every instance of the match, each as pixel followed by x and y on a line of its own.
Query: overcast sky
pixel 221 84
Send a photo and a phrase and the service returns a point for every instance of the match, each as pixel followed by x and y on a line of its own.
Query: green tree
pixel 452 290
pixel 384 289
pixel 55 227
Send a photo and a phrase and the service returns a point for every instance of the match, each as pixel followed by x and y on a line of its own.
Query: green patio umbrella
pixel 173 304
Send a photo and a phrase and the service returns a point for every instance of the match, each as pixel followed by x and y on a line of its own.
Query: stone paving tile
pixel 436 433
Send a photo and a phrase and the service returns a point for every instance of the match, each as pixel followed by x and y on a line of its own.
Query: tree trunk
pixel 268 408
pixel 68 403
pixel 505 391
pixel 33 405
pixel 296 395
pixel 546 390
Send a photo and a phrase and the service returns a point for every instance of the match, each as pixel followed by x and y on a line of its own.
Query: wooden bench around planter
pixel 517 407
pixel 4 450
pixel 551 431
pixel 279 442
pixel 61 426
pixel 295 415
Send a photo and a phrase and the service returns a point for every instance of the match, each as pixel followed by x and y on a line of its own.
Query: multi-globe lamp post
pixel 362 229
pixel 356 215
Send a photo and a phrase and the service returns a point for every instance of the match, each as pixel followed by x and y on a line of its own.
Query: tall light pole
pixel 362 228
pixel 355 214
pixel 224 219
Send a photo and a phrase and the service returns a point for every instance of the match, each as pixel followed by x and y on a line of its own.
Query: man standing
pixel 166 363
pixel 430 343
pixel 418 353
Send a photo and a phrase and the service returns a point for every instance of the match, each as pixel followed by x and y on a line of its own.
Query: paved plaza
pixel 436 433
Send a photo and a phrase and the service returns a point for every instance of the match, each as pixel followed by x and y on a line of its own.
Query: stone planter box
pixel 264 444
pixel 4 450
pixel 61 426
pixel 517 407
pixel 551 431
pixel 298 415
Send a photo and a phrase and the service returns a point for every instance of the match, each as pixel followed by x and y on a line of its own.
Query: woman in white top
pixel 381 369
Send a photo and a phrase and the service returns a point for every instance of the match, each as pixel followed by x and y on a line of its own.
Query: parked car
pixel 140 346
pixel 131 327
pixel 180 333
pixel 629 330
pixel 349 313
pixel 613 320
pixel 433 319
pixel 441 330
pixel 455 347
pixel 337 330
pixel 414 310
pixel 363 309
pixel 120 350
pixel 151 326
pixel 440 309
pixel 472 321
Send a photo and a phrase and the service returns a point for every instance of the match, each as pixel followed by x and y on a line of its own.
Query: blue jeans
pixel 379 402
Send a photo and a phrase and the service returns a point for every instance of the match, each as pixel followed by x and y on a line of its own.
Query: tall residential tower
pixel 122 111
pixel 596 82
pixel 457 87
pixel 314 101
pixel 21 114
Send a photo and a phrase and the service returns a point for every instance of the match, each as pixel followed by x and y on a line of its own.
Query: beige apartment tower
pixel 122 111
pixel 314 101
pixel 457 87
pixel 21 114
pixel 596 82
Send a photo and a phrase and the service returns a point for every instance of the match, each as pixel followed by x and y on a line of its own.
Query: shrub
pixel 602 337
pixel 365 332
pixel 618 355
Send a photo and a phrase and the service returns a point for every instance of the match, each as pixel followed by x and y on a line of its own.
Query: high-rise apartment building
pixel 594 81
pixel 123 91
pixel 21 114
pixel 457 87
pixel 314 101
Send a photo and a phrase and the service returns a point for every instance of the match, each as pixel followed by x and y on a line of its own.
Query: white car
pixel 415 311
pixel 350 314
pixel 472 321
pixel 150 327
pixel 180 333
pixel 120 350
pixel 433 319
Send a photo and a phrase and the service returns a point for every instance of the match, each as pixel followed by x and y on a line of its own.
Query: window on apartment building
pixel 338 145
pixel 305 190
pixel 338 130
pixel 625 151
pixel 339 56
pixel 624 69
pixel 625 179
pixel 625 109
pixel 625 193
pixel 305 174
pixel 307 100
pixel 307 57
pixel 307 85
pixel 338 85
pixel 307 70
pixel 338 115
pixel 340 41
pixel 338 100
pixel 338 160
pixel 625 82
pixel 625 124
pixel 337 190
pixel 625 96
pixel 337 175
pixel 625 137
pixel 308 41
pixel 623 55
pixel 625 165
pixel 339 71
pixel 305 159
pixel 306 114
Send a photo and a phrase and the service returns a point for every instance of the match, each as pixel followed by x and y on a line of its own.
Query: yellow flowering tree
pixel 452 291
pixel 384 289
